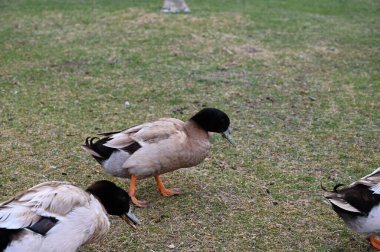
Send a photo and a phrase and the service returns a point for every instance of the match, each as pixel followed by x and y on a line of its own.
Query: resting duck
pixel 157 147
pixel 58 216
pixel 359 206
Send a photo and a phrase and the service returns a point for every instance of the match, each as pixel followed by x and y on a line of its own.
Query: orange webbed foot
pixel 170 192
pixel 132 193
pixel 139 203
pixel 164 191
pixel 375 242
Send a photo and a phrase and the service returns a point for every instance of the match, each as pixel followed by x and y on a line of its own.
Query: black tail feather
pixel 335 189
pixel 97 145
pixel 90 141
pixel 104 152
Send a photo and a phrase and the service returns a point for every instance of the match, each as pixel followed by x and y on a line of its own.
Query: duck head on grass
pixel 115 200
pixel 59 216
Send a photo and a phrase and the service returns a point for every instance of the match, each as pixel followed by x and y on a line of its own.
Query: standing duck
pixel 153 148
pixel 58 216
pixel 359 206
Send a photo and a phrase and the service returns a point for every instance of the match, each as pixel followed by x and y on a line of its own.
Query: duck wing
pixel 147 133
pixel 48 200
pixel 372 181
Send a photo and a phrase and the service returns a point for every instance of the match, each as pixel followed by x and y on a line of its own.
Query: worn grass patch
pixel 300 81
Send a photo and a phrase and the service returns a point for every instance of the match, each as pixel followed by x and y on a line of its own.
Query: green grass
pixel 300 81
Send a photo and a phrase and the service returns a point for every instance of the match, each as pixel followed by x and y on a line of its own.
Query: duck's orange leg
pixel 375 242
pixel 132 193
pixel 164 191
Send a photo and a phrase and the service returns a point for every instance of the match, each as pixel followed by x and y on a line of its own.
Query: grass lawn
pixel 300 81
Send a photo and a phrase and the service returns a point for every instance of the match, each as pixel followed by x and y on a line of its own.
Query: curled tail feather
pixel 89 146
pixel 337 200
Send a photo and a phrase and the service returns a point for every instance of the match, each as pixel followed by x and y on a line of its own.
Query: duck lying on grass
pixel 58 216
pixel 359 206
pixel 157 147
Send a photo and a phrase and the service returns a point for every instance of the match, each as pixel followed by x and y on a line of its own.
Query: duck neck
pixel 198 143
pixel 195 131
